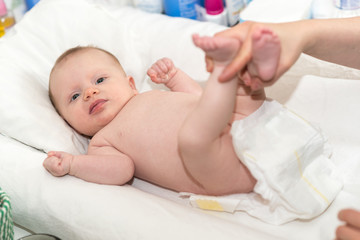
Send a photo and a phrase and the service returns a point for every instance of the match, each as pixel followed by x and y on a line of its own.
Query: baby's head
pixel 88 87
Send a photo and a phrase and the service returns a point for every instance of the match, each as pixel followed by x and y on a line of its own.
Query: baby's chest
pixel 141 135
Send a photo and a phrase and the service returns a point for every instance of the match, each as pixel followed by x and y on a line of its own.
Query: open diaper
pixel 290 160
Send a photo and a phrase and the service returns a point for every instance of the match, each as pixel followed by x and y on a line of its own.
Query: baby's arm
pixel 104 165
pixel 163 71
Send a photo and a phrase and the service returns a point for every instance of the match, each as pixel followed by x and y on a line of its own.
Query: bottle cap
pixel 3 10
pixel 214 7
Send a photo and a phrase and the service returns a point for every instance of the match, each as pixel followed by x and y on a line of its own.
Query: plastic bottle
pixel 30 3
pixel 346 8
pixel 153 6
pixel 181 8
pixel 6 19
pixel 215 12
pixel 347 4
pixel 234 8
pixel 2 31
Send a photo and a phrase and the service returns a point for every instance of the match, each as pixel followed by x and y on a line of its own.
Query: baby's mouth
pixel 96 106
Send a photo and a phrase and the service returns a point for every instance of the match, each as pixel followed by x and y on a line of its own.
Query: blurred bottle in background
pixel 30 3
pixel 347 4
pixel 335 8
pixel 7 20
pixel 215 12
pixel 347 8
pixel 152 6
pixel 234 7
pixel 181 8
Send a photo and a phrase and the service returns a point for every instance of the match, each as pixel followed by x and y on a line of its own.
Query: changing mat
pixel 74 209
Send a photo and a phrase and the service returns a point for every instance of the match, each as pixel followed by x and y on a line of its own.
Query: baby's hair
pixel 70 52
pixel 79 49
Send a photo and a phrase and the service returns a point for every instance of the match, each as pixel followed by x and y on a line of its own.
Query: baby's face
pixel 89 89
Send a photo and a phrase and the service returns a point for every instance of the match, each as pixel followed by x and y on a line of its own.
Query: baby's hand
pixel 58 163
pixel 162 71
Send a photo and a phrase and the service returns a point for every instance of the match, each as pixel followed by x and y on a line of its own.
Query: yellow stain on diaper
pixel 209 205
pixel 250 156
pixel 307 181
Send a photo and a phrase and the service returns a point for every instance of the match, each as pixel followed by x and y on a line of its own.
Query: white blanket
pixel 73 209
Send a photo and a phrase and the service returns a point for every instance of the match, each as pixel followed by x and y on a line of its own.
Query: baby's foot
pixel 221 50
pixel 162 71
pixel 266 53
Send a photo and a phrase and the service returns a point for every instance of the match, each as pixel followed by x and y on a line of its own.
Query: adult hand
pixel 291 43
pixel 351 229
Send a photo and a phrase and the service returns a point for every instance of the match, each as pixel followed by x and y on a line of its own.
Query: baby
pixel 223 140
pixel 178 139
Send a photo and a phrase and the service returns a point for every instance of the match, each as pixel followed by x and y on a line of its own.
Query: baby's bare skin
pixel 146 132
pixel 149 136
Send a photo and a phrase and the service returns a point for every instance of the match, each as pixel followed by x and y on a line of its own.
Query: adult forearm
pixel 333 40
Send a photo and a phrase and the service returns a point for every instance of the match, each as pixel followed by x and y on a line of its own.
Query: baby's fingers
pixel 54 154
pixel 209 64
pixel 152 74
pixel 155 74
pixel 54 165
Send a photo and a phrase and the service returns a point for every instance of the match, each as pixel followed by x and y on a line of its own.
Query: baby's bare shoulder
pixel 99 140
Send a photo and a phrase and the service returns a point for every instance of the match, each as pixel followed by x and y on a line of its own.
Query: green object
pixel 6 222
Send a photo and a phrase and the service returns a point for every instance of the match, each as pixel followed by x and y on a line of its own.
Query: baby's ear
pixel 132 84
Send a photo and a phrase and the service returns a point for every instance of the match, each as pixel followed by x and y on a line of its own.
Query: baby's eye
pixel 100 80
pixel 75 96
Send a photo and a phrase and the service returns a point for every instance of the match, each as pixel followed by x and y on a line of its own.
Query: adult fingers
pixel 240 31
pixel 347 233
pixel 351 217
pixel 238 63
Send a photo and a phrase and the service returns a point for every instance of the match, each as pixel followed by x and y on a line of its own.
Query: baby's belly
pixel 148 132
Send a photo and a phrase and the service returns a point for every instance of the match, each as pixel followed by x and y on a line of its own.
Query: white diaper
pixel 290 160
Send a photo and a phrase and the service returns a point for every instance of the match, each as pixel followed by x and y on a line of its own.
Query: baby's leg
pixel 201 142
pixel 266 53
pixel 218 99
pixel 165 72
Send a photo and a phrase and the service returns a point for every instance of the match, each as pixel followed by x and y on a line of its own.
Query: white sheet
pixel 331 104
pixel 73 209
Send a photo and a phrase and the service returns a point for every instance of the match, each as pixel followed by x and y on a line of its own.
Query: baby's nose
pixel 90 92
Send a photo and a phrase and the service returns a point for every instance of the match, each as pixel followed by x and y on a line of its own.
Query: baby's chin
pixel 89 131
pixel 94 125
pixel 93 131
pixel 101 124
